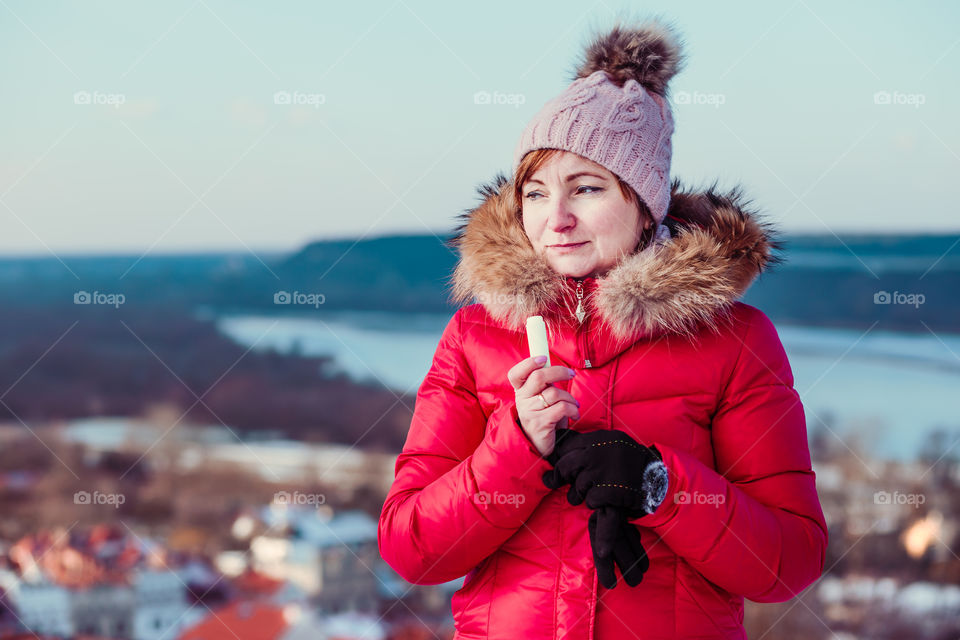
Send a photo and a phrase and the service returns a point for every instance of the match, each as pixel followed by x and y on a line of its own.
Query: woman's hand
pixel 530 378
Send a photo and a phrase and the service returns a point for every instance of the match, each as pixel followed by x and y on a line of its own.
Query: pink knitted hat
pixel 616 112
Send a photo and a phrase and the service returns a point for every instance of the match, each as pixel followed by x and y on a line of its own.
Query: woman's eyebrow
pixel 573 176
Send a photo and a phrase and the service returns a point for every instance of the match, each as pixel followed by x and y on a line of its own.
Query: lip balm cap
pixel 537 337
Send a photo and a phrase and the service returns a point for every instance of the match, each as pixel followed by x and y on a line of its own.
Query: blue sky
pixel 154 127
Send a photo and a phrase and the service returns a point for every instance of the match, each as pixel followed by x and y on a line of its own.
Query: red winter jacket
pixel 665 353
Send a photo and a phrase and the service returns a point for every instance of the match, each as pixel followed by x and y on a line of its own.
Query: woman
pixel 665 439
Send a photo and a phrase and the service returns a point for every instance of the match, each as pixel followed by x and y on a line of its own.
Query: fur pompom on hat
pixel 649 54
pixel 616 112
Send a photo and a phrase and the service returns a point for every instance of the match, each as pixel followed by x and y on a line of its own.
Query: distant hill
pixel 63 359
pixel 825 280
pixel 91 360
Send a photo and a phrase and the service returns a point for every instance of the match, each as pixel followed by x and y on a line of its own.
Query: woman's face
pixel 572 200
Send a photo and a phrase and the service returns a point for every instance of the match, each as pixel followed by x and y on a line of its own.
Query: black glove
pixel 614 540
pixel 608 468
pixel 566 441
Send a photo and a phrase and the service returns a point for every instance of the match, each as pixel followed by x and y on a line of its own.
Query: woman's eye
pixel 530 196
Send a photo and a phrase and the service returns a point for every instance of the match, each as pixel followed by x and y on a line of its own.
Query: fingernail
pixel 572 372
pixel 540 359
pixel 578 404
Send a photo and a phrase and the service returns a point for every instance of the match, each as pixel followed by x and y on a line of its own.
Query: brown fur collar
pixel 717 249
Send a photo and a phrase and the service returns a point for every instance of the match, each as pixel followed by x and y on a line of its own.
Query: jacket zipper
pixel 581 317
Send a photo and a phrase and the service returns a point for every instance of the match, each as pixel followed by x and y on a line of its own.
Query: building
pixel 333 558
pixel 99 583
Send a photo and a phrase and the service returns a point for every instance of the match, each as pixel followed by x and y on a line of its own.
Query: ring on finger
pixel 543 400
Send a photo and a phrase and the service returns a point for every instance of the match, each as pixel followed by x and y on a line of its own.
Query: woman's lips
pixel 566 248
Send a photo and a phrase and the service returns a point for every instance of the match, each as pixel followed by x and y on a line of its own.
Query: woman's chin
pixel 573 268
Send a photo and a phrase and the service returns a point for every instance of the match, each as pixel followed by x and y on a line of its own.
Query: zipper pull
pixel 580 312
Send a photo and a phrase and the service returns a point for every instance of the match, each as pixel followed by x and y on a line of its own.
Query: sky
pixel 208 125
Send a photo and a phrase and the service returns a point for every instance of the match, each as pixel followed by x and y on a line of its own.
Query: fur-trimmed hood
pixel 689 281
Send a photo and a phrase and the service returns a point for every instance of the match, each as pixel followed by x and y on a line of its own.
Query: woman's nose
pixel 559 216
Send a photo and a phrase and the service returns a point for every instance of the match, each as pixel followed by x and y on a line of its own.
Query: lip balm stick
pixel 537 341
pixel 537 338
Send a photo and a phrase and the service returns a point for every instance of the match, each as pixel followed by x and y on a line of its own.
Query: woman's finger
pixel 518 373
pixel 540 379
